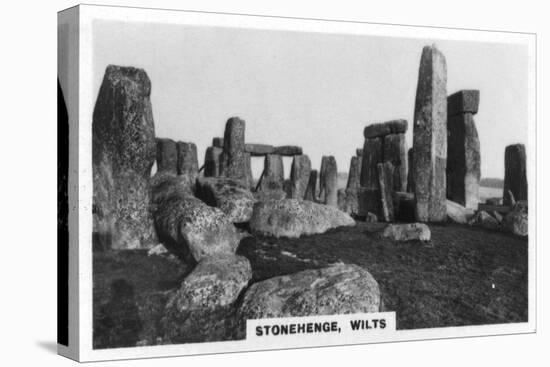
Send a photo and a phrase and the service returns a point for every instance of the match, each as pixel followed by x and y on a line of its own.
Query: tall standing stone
pixel 385 179
pixel 311 191
pixel 123 153
pixel 299 176
pixel 248 168
pixel 410 178
pixel 463 149
pixel 212 163
pixel 328 183
pixel 188 164
pixel 354 176
pixel 372 155
pixel 515 173
pixel 167 156
pixel 395 152
pixel 234 164
pixel 273 176
pixel 430 137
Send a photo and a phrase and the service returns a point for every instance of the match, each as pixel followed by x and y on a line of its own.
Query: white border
pixel 89 13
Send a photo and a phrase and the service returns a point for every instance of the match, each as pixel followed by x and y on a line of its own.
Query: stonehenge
pixel 328 181
pixel 167 155
pixel 299 176
pixel 515 174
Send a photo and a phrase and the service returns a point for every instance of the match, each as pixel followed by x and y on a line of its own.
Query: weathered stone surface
pixel 484 220
pixel 212 162
pixel 430 137
pixel 372 155
pixel 294 218
pixel 385 179
pixel 167 155
pixel 273 176
pixel 459 214
pixel 407 232
pixel 188 164
pixel 217 142
pixel 410 176
pixel 328 183
pixel 385 128
pixel 288 150
pixel 359 152
pixel 348 201
pixel 185 225
pixel 232 196
pixel 515 172
pixel 369 201
pixel 233 158
pixel 517 221
pixel 248 170
pixel 395 151
pixel 279 194
pixel 463 159
pixel 354 176
pixel 198 310
pixel 464 101
pixel 299 176
pixel 338 289
pixel 311 191
pixel 123 153
pixel 258 150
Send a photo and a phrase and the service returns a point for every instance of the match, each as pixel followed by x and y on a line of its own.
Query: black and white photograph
pixel 252 183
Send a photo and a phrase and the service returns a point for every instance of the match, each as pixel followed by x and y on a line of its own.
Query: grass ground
pixel 464 276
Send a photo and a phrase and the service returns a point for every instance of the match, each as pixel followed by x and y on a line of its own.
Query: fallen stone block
pixel 407 232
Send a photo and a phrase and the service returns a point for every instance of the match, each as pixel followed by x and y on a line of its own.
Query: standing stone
pixel 233 155
pixel 410 178
pixel 212 162
pixel 248 168
pixel 385 178
pixel 395 151
pixel 311 191
pixel 359 152
pixel 273 176
pixel 188 164
pixel 123 153
pixel 354 175
pixel 372 155
pixel 329 181
pixel 515 173
pixel 167 156
pixel 299 176
pixel 463 150
pixel 217 142
pixel 368 201
pixel 430 137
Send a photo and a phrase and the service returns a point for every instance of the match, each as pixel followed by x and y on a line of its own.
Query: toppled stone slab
pixel 328 182
pixel 167 155
pixel 258 150
pixel 407 232
pixel 484 220
pixel 123 153
pixel 288 150
pixel 187 227
pixel 385 128
pixel 464 101
pixel 299 176
pixel 294 218
pixel 338 289
pixel 231 196
pixel 515 173
pixel 459 214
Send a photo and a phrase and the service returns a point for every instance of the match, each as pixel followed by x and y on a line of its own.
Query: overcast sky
pixel 314 90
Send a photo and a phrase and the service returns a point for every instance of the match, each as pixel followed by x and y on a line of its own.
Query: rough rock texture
pixel 517 221
pixel 273 175
pixel 198 310
pixel 410 177
pixel 294 218
pixel 248 170
pixel 385 128
pixel 185 225
pixel 395 152
pixel 188 164
pixel 217 142
pixel 233 158
pixel 328 182
pixel 348 201
pixel 463 149
pixel 212 162
pixel 515 172
pixel 231 196
pixel 407 232
pixel 123 153
pixel 459 214
pixel 385 179
pixel 299 176
pixel 372 155
pixel 369 201
pixel 354 176
pixel 338 289
pixel 270 195
pixel 430 137
pixel 167 155
pixel 311 191
pixel 484 220
pixel 288 150
pixel 258 150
